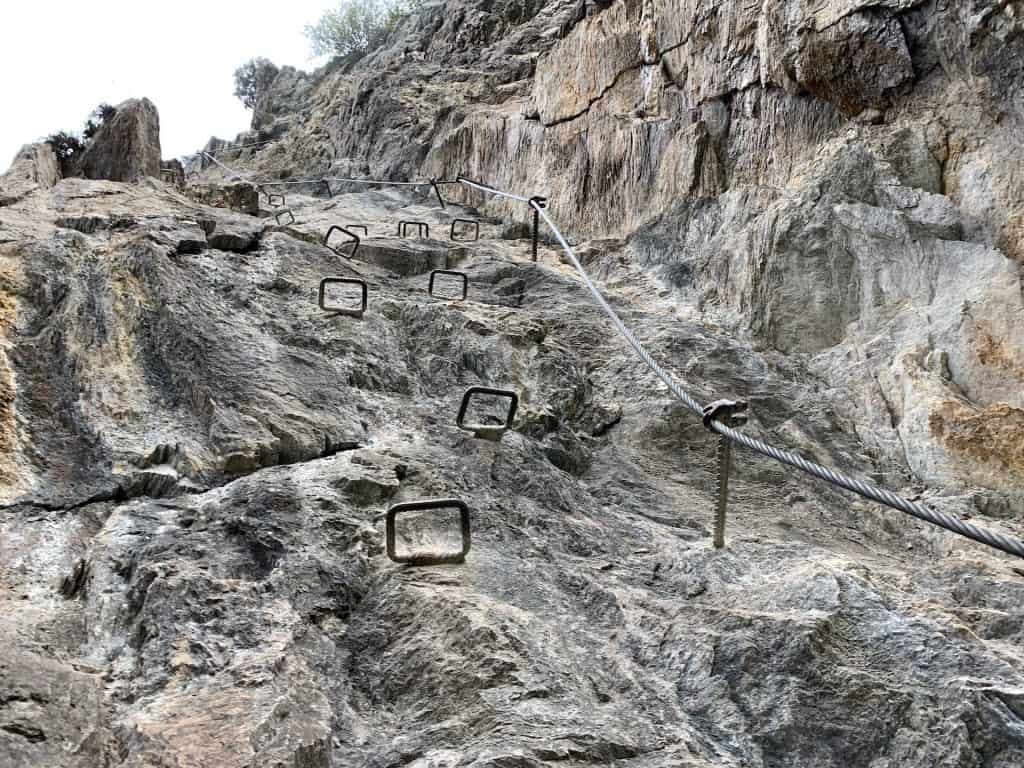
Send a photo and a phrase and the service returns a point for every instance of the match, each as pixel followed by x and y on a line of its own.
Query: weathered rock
pixel 34 167
pixel 127 146
pixel 50 714
pixel 173 172
pixel 238 196
pixel 813 207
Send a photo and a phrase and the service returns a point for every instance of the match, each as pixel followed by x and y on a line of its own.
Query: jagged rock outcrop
pixel 34 167
pixel 284 103
pixel 774 165
pixel 240 196
pixel 127 146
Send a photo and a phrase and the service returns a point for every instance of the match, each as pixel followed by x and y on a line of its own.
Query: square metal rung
pixel 354 238
pixel 422 228
pixel 475 231
pixel 488 431
pixel 287 212
pixel 433 558
pixel 272 197
pixel 343 281
pixel 450 273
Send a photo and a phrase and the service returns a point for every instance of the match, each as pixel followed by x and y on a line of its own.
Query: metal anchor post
pixel 730 413
pixel 542 202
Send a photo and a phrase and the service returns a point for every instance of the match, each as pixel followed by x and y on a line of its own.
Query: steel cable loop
pixel 867 490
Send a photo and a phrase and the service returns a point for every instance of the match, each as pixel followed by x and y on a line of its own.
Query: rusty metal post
pixel 729 413
pixel 724 464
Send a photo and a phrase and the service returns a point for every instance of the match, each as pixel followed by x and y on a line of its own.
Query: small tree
pixel 70 146
pixel 356 26
pixel 252 80
pixel 99 116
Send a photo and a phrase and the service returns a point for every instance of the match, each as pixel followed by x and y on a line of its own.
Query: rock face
pixel 808 206
pixel 772 166
pixel 238 196
pixel 34 167
pixel 127 146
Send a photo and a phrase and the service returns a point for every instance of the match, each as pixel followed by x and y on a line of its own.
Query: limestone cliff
pixel 811 205
pixel 837 179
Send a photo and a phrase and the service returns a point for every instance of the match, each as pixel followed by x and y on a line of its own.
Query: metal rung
pixel 418 506
pixel 451 273
pixel 488 431
pixel 272 196
pixel 279 214
pixel 476 231
pixel 422 228
pixel 355 239
pixel 343 281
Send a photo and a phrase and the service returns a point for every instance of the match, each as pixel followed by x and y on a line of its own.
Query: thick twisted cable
pixel 208 156
pixel 860 487
pixel 491 190
pixel 873 492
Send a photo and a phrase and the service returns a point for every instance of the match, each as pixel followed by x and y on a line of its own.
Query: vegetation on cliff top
pixel 70 146
pixel 356 27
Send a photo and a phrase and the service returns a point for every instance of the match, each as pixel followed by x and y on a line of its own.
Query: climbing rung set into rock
pixel 352 237
pixel 487 431
pixel 421 544
pixel 329 302
pixel 437 287
pixel 281 214
pixel 422 228
pixel 460 238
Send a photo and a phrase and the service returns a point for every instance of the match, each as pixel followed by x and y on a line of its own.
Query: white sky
pixel 59 59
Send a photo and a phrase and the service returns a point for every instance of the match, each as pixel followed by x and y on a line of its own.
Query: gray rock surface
pixel 812 206
pixel 199 459
pixel 127 146
pixel 34 167
pixel 773 165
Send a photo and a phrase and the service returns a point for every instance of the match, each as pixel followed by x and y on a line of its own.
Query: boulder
pixel 127 147
pixel 240 196
pixel 34 167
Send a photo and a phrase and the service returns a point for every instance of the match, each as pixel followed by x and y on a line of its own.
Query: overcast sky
pixel 60 59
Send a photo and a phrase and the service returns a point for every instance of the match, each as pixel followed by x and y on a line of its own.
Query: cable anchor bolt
pixel 728 413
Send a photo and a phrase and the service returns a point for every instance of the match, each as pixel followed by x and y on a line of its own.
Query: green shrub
pixel 70 146
pixel 252 80
pixel 356 27
pixel 99 116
